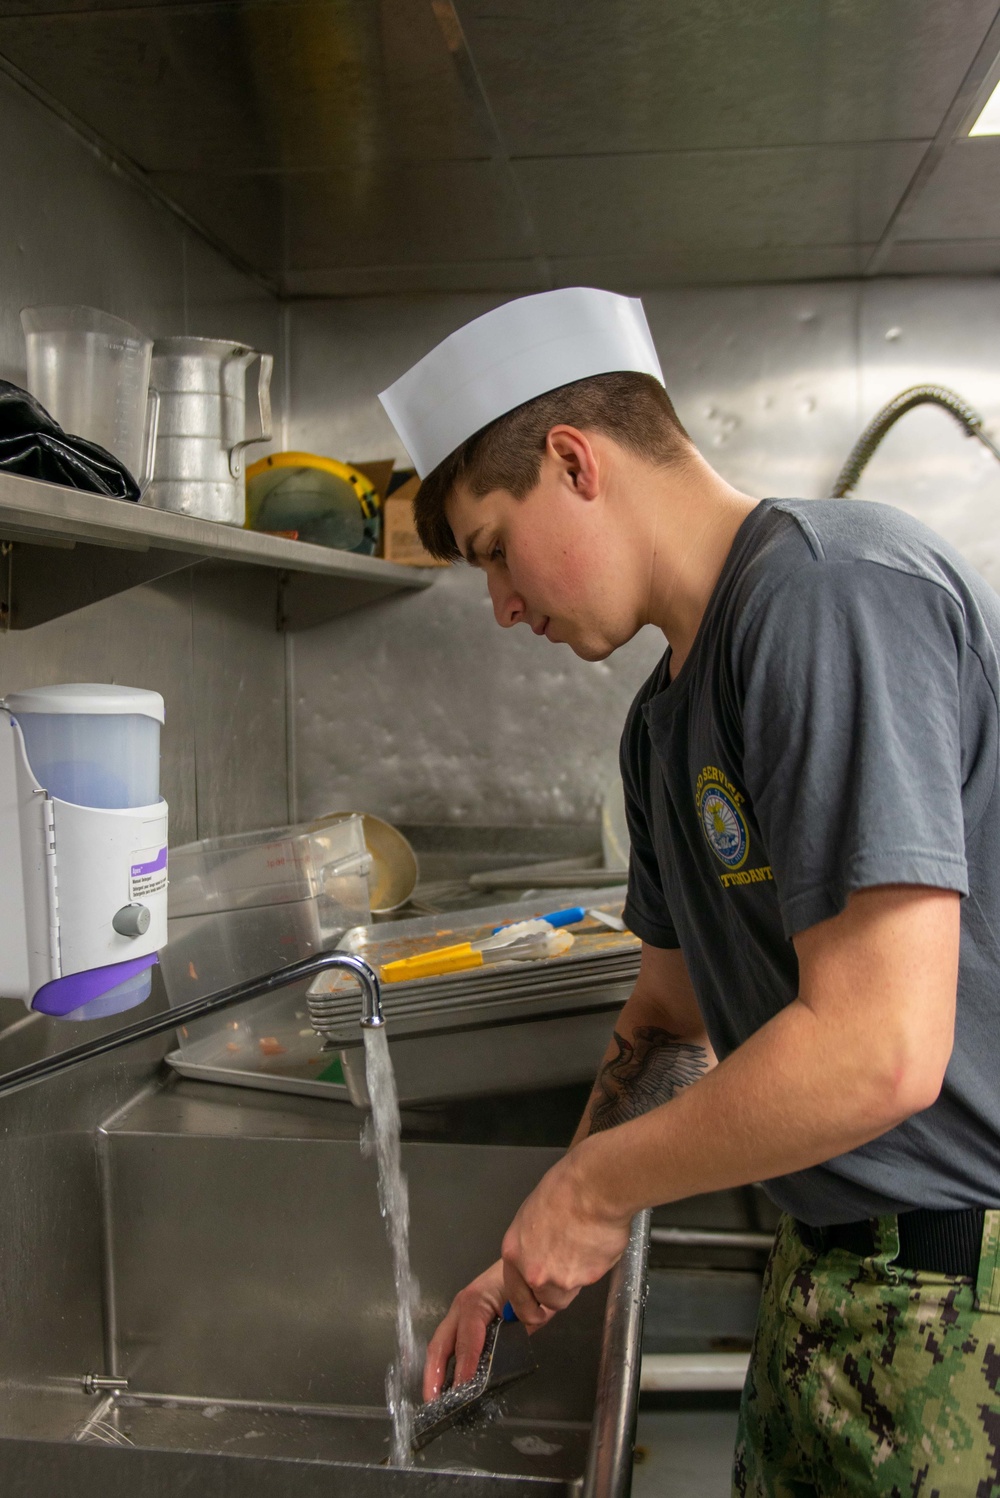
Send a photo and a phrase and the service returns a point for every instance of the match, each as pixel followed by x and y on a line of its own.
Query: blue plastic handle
pixel 508 1313
pixel 568 917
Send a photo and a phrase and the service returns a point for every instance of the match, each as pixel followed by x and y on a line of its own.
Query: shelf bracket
pixel 40 582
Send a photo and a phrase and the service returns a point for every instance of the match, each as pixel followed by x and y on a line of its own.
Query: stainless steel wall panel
pixel 71 232
pixel 428 712
pixel 765 380
pixel 648 76
pixel 342 353
pixel 238 687
pixel 947 332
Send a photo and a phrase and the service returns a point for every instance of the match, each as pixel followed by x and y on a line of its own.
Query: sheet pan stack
pixel 597 972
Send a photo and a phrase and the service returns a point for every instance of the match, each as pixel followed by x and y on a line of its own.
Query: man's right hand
pixel 463 1330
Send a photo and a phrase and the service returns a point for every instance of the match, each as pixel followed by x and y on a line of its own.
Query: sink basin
pixel 249 1306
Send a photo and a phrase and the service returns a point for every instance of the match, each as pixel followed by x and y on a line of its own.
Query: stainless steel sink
pixel 249 1306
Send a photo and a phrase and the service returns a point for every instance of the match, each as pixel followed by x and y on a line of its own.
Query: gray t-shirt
pixel 834 727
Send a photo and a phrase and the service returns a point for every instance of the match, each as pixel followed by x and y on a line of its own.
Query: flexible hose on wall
pixel 917 395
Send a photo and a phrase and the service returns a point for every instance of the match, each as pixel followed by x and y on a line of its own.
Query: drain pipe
pixel 917 395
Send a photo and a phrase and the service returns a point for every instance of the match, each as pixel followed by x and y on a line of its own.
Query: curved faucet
pixel 371 996
pixel 226 998
pixel 857 459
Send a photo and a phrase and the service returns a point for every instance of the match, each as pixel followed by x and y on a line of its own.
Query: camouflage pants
pixel 872 1381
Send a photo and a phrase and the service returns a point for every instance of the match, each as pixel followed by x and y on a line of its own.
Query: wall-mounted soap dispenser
pixel 83 848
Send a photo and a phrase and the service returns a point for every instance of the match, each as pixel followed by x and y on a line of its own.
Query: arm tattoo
pixel 648 1070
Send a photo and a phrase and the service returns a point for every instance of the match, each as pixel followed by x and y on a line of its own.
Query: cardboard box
pixel 400 542
pixel 378 471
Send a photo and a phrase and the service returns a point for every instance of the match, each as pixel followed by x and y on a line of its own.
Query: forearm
pixel 649 1059
pixel 864 1046
pixel 795 1094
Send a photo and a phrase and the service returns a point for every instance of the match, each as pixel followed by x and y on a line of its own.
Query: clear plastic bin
pixel 275 866
pixel 249 904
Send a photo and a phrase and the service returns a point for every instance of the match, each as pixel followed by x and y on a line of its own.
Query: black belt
pixel 935 1242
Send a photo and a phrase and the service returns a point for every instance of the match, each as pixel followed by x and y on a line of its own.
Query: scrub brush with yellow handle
pixel 527 941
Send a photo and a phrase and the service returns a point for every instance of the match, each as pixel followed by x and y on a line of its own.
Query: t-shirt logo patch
pixel 723 823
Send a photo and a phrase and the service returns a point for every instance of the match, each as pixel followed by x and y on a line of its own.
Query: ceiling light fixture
pixel 988 120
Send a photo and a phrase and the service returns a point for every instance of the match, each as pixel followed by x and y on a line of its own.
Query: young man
pixel 811 779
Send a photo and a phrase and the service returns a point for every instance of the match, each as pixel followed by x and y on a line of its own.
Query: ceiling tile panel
pixel 962 198
pixel 654 75
pixel 943 257
pixel 737 200
pixel 14 8
pixel 407 214
pixel 502 276
pixel 340 146
pixel 709 265
pixel 266 84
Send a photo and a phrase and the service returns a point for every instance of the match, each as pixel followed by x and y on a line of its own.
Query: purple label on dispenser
pixel 148 874
pixel 159 862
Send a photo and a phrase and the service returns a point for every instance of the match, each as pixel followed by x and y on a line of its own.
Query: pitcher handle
pixel 149 446
pixel 264 373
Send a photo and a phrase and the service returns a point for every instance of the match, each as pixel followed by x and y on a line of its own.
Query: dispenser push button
pixel 131 920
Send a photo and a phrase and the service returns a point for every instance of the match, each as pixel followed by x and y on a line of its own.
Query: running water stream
pixel 383 1140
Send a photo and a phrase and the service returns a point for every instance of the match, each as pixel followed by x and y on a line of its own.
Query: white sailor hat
pixel 511 355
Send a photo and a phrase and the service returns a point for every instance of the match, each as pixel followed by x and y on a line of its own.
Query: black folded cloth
pixel 34 445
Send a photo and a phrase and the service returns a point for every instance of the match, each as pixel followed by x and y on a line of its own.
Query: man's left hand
pixel 565 1236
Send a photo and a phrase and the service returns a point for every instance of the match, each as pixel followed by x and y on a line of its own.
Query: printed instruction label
pixel 148 875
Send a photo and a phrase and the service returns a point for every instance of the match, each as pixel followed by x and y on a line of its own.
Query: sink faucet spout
pixel 371 992
pixel 324 1006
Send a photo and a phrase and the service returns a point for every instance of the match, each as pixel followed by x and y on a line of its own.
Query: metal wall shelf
pixel 63 549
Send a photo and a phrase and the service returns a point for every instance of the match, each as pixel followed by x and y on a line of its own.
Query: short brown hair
pixel 633 409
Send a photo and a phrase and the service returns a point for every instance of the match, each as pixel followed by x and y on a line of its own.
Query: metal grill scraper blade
pixel 506 1357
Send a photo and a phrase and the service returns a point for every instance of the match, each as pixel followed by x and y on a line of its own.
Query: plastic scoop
pixel 506 1357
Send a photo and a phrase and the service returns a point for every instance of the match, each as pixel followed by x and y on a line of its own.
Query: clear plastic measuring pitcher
pixel 91 372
